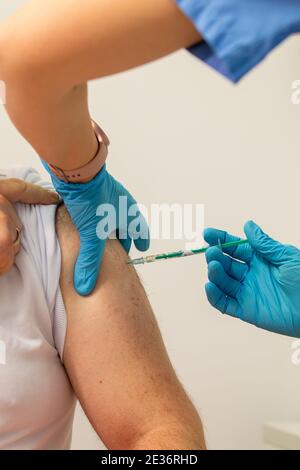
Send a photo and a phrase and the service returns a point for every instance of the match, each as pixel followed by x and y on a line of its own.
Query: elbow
pixel 165 433
pixel 16 61
pixel 170 436
pixel 24 71
pixel 26 83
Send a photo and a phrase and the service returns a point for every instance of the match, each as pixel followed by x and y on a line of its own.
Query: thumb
pixel 271 250
pixel 88 265
pixel 16 190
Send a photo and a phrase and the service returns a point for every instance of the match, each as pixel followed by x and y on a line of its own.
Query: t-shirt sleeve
pixel 239 34
pixel 40 242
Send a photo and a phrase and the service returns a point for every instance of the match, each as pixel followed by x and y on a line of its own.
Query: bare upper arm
pixel 77 39
pixel 114 353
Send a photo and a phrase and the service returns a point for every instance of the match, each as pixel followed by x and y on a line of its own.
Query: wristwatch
pixel 92 168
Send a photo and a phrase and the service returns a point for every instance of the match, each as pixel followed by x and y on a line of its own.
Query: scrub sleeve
pixel 239 34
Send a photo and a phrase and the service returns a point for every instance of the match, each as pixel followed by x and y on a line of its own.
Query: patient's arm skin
pixel 50 49
pixel 116 359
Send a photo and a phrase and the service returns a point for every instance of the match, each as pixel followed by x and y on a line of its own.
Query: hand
pixel 96 209
pixel 14 190
pixel 9 239
pixel 258 283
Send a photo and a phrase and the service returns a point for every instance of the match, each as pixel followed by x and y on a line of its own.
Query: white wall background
pixel 181 134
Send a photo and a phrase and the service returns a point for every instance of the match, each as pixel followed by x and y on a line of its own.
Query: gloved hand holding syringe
pixel 256 279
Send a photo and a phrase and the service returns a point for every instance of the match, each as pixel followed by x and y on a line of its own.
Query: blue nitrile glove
pixel 258 283
pixel 83 202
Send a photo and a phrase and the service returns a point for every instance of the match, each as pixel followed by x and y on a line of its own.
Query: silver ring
pixel 18 239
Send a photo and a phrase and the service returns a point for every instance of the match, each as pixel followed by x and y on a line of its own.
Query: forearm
pixel 50 49
pixel 59 129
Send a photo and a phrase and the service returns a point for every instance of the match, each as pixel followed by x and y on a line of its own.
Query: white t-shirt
pixel 36 399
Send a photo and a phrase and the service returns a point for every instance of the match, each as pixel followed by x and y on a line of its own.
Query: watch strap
pixel 92 168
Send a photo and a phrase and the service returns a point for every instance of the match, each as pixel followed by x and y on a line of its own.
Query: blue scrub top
pixel 238 34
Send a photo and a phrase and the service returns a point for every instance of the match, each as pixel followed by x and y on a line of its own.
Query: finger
pixel 142 243
pixel 214 237
pixel 221 301
pixel 7 238
pixel 137 225
pixel 16 190
pixel 233 268
pixel 273 251
pixel 126 244
pixel 11 222
pixel 8 209
pixel 218 276
pixel 125 240
pixel 88 265
pixel 17 241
